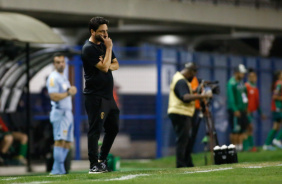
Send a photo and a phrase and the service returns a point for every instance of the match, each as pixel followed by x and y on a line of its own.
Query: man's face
pixel 252 77
pixel 59 63
pixel 239 75
pixel 191 74
pixel 102 31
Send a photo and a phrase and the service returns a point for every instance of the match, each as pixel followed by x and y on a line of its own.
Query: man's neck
pixel 93 40
pixel 61 73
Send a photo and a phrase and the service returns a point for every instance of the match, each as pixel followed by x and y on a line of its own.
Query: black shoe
pixel 104 166
pixel 96 169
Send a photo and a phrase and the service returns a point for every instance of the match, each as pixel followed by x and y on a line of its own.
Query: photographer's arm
pixel 192 97
pixel 182 91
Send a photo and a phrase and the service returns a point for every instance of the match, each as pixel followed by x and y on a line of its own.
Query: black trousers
pixel 101 113
pixel 194 129
pixel 182 127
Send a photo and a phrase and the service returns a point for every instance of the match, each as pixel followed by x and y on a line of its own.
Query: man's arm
pixel 105 64
pixel 182 91
pixel 276 95
pixel 231 100
pixel 59 96
pixel 191 97
pixel 114 65
pixel 230 97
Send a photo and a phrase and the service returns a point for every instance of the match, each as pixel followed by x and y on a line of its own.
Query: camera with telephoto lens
pixel 209 87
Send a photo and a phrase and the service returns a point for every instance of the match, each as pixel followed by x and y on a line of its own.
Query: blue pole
pixel 259 126
pixel 212 68
pixel 228 65
pixel 159 127
pixel 229 68
pixel 194 58
pixel 77 104
pixel 178 61
pixel 245 64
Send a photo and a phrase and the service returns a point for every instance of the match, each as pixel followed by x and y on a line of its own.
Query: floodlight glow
pixel 169 39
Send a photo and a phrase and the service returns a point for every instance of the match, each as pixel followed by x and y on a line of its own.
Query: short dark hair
pixel 95 22
pixel 57 54
pixel 191 66
pixel 251 70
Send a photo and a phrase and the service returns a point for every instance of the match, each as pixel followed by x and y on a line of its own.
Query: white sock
pixel 240 147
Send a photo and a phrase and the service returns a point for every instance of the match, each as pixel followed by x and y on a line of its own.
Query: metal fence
pixel 274 4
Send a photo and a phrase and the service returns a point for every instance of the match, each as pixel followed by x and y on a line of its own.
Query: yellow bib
pixel 177 106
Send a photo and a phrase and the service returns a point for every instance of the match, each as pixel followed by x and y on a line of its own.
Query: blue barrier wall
pixel 220 67
pixel 144 116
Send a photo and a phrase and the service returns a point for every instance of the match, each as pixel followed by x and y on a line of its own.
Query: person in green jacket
pixel 237 103
pixel 276 108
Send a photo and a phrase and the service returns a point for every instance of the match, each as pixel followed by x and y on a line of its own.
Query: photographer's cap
pixel 191 65
pixel 241 69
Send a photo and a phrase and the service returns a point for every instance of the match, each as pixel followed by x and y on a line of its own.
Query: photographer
pixel 195 85
pixel 181 109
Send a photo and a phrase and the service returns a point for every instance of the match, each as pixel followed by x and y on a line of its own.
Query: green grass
pixel 260 167
pixel 198 159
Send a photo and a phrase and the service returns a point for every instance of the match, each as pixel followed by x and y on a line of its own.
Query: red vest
pixel 253 97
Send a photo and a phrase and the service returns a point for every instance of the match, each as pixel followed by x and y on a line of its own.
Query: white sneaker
pixel 239 147
pixel 268 147
pixel 277 143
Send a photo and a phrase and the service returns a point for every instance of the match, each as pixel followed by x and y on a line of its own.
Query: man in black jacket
pixel 98 62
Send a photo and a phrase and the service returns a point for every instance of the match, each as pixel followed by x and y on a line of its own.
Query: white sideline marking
pixel 128 177
pixel 254 167
pixel 222 169
pixel 13 178
pixel 55 175
pixel 212 170
pixel 35 182
pixel 144 160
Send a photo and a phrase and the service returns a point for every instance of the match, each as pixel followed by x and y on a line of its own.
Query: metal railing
pixel 273 4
